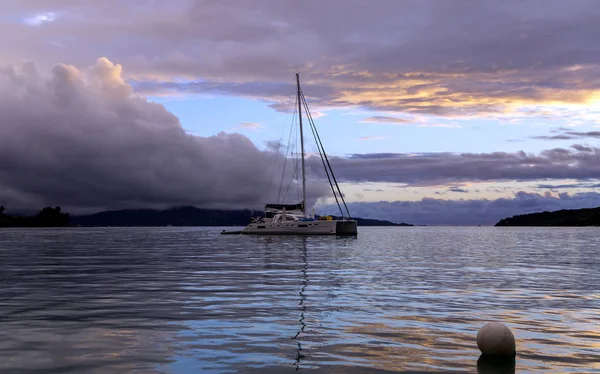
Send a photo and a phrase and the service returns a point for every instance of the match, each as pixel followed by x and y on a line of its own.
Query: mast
pixel 301 144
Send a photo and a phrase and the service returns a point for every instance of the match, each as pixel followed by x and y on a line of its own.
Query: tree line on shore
pixel 47 217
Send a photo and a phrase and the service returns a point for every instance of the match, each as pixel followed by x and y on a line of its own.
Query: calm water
pixel 187 300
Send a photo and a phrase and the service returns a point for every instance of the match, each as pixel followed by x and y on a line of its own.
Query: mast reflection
pixel 304 271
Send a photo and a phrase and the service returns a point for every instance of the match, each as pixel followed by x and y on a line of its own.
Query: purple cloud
pixel 431 211
pixel 406 56
pixel 448 168
pixel 92 143
pixel 85 140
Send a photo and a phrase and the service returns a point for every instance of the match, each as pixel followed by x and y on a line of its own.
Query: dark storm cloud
pixel 431 211
pixel 447 168
pixel 82 139
pixel 447 58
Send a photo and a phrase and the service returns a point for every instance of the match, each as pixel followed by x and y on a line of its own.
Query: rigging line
pixel 297 165
pixel 297 162
pixel 313 128
pixel 298 191
pixel 295 175
pixel 324 154
pixel 286 155
pixel 331 170
pixel 292 146
pixel 296 169
pixel 286 152
pixel 327 160
pixel 275 157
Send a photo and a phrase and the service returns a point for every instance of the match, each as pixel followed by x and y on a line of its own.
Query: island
pixel 565 217
pixel 178 216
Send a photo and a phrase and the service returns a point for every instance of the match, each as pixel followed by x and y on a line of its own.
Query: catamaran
pixel 292 219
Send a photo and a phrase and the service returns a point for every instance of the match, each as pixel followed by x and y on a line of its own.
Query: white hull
pixel 316 227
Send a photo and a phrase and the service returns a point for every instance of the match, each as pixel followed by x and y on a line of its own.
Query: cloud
pixel 362 138
pixel 445 125
pixel 457 189
pixel 568 135
pixel 589 134
pixel 384 119
pixel 250 125
pixel 404 121
pixel 556 186
pixel 39 19
pixel 559 129
pixel 317 114
pixel 573 185
pixel 421 56
pixel 83 139
pixel 582 148
pixel 447 168
pixel 553 137
pixel 431 211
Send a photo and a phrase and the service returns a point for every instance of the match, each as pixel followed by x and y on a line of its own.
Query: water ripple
pixel 181 300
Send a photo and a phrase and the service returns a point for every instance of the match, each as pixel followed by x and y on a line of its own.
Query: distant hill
pixel 375 222
pixel 567 217
pixel 182 216
pixel 185 216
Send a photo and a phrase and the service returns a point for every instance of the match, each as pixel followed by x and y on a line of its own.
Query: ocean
pixel 394 299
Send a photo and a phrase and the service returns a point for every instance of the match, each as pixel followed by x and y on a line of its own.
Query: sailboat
pixel 292 219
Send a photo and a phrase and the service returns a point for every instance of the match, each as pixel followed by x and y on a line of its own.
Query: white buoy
pixel 495 339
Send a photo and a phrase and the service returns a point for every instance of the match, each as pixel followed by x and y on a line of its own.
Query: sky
pixel 427 108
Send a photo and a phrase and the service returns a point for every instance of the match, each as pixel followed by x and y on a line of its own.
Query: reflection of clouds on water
pixel 70 307
pixel 67 347
pixel 182 300
pixel 544 337
pixel 406 344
